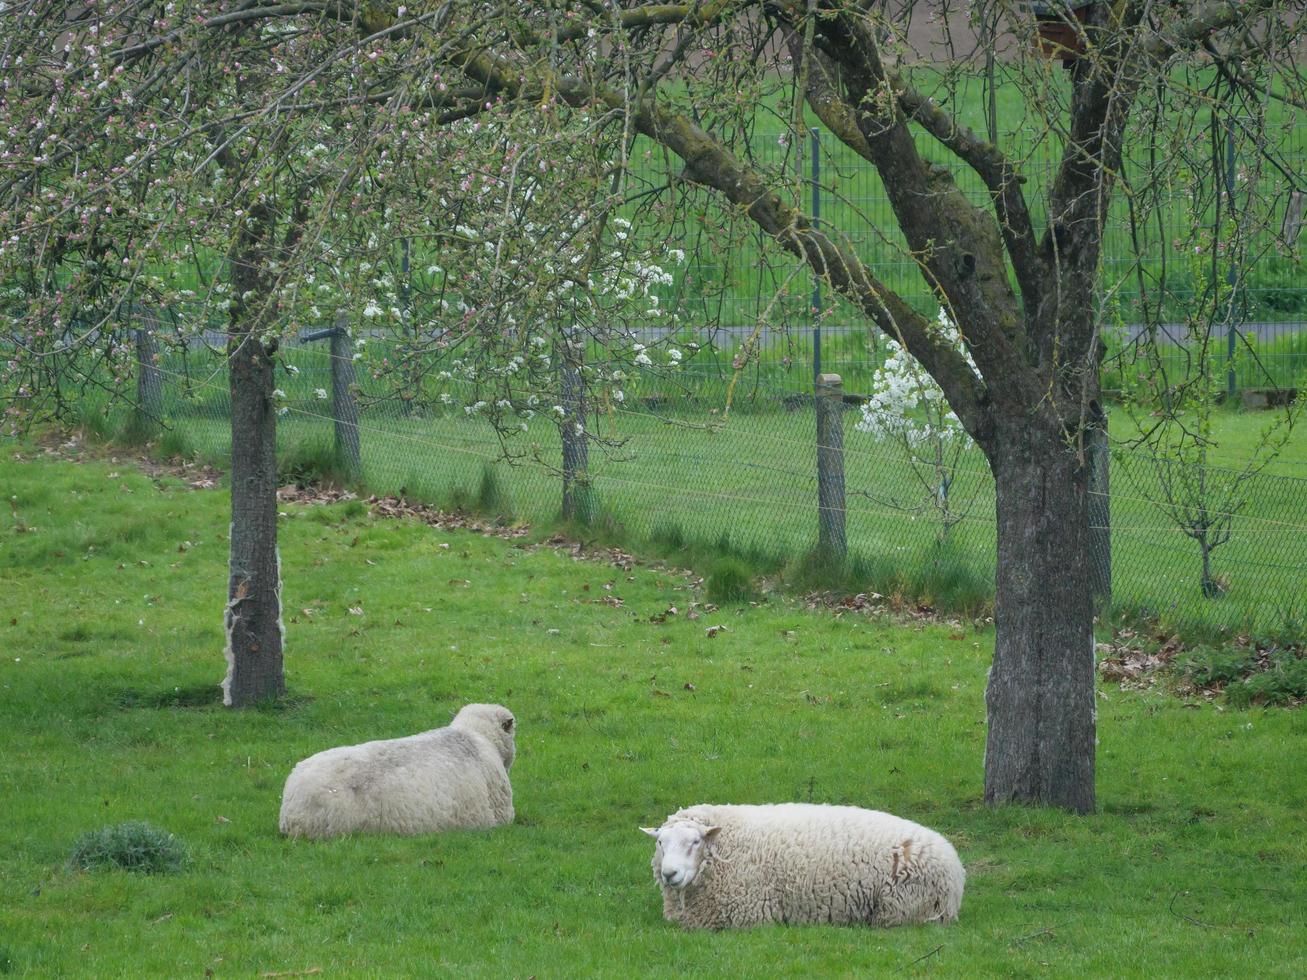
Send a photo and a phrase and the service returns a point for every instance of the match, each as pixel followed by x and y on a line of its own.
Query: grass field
pixel 114 585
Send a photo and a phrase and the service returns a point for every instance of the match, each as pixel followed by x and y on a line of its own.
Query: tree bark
pixel 577 501
pixel 1040 699
pixel 149 382
pixel 253 614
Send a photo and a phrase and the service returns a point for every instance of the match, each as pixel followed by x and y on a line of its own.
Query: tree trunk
pixel 253 615
pixel 1040 698
pixel 577 499
pixel 344 408
pixel 149 382
pixel 1100 516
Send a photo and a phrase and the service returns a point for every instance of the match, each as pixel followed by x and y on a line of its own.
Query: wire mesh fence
pixel 1194 546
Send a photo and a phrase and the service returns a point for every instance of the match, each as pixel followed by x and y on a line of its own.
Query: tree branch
pixel 710 163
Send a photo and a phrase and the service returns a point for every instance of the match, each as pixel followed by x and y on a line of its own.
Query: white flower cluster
pixel 906 404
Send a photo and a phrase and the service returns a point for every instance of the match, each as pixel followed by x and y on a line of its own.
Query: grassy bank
pixel 114 586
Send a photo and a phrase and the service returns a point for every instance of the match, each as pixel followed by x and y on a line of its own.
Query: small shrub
pixel 311 462
pixel 814 570
pixel 492 499
pixel 668 534
pixel 95 423
pixel 175 444
pixel 1284 682
pixel 137 430
pixel 131 846
pixel 1208 666
pixel 729 580
pixel 949 579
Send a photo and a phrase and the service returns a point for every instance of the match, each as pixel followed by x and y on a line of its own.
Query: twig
pixel 1033 935
pixel 1188 918
pixel 925 956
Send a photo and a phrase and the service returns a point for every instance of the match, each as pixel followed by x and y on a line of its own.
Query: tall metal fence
pixel 683 478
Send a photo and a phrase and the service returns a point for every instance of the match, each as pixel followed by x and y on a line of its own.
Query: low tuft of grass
pixel 132 846
pixel 312 462
pixel 729 580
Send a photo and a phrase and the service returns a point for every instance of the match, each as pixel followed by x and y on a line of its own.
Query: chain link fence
pixel 1194 546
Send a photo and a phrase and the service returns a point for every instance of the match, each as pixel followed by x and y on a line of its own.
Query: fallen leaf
pixel 714 630
pixel 689 686
pixel 356 610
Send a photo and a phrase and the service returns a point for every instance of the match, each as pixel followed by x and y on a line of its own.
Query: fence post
pixel 149 380
pixel 577 503
pixel 1232 275
pixel 1100 517
pixel 832 545
pixel 344 409
pixel 816 277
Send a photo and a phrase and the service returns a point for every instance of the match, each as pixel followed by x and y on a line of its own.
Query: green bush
pixel 493 499
pixel 1283 682
pixel 131 846
pixel 1208 666
pixel 729 580
pixel 311 462
pixel 175 444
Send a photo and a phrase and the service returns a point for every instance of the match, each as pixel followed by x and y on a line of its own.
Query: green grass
pixel 112 642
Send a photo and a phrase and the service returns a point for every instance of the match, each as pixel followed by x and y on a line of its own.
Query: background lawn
pixel 113 587
pixel 677 474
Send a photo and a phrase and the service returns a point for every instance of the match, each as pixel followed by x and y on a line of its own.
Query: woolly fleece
pixel 445 779
pixel 794 863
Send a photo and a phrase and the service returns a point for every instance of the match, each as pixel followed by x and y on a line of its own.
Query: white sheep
pixel 725 867
pixel 449 778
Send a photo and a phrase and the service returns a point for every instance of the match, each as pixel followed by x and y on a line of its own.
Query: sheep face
pixel 495 722
pixel 681 849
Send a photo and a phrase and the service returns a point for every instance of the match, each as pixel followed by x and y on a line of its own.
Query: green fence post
pixel 831 542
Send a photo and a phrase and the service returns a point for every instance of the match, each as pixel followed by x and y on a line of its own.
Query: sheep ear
pixel 651 831
pixel 508 725
pixel 711 832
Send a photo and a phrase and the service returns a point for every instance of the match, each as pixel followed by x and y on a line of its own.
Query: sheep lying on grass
pixel 733 866
pixel 455 777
